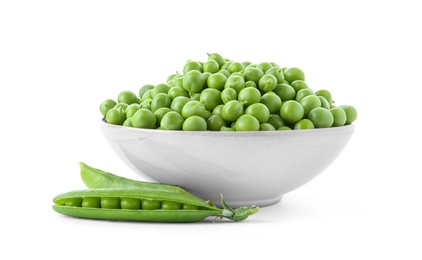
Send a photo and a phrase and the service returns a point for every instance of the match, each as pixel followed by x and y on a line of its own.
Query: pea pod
pixel 99 204
pixel 96 178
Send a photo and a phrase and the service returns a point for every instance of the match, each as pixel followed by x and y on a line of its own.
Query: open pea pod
pixel 142 205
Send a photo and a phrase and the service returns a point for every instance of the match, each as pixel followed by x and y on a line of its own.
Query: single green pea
pixel 147 95
pixel 110 203
pixel 150 204
pixel 178 103
pixel 91 202
pixel 236 82
pixel 277 73
pixel 309 102
pixel 160 100
pixel 215 122
pixel 130 203
pixel 232 110
pixel 264 66
pixel 172 121
pixel 303 93
pixel 144 118
pixel 127 97
pixel 321 117
pixel 146 103
pixel 235 67
pixel 177 91
pixel 159 114
pixel 224 72
pixel 284 127
pixel 217 57
pixel 291 111
pixel 339 115
pixel 189 207
pixel 299 85
pixel 285 92
pixel 226 65
pixel 193 81
pixel 106 105
pixel 116 116
pixel 266 127
pixel 210 98
pixel 250 84
pixel 249 96
pixel 194 123
pixel 160 88
pixel 228 94
pixel 144 89
pixel 304 124
pixel 351 113
pixel 217 110
pixel 131 109
pixel 276 121
pixel 192 65
pixel 217 81
pixel 326 94
pixel 177 82
pixel 123 106
pixel 171 205
pixel 193 108
pixel 291 74
pixel 74 202
pixel 211 66
pixel 247 123
pixel 253 74
pixel 324 102
pixel 259 111
pixel 128 122
pixel 268 82
pixel 272 101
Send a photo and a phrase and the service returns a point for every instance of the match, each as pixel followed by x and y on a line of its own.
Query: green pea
pixel 110 203
pixel 215 122
pixel 276 121
pixel 74 202
pixel 217 110
pixel 144 89
pixel 192 65
pixel 151 204
pixel 210 98
pixel 326 94
pixel 128 122
pixel 253 74
pixel 193 108
pixel 321 117
pixel 351 113
pixel 232 110
pixel 235 67
pixel 228 94
pixel 160 88
pixel 144 118
pixel 177 82
pixel 91 202
pixel 130 203
pixel 266 127
pixel 177 91
pixel 299 85
pixel 172 121
pixel 324 102
pixel 304 124
pixel 193 81
pixel 147 95
pixel 284 127
pixel 189 207
pixel 227 129
pixel 217 81
pixel 303 93
pixel 277 73
pixel 291 74
pixel 226 65
pixel 285 92
pixel 121 105
pixel 146 103
pixel 251 84
pixel 106 105
pixel 211 66
pixel 268 82
pixel 194 123
pixel 131 109
pixel 247 123
pixel 264 66
pixel 127 97
pixel 259 111
pixel 217 57
pixel 249 96
pixel 272 101
pixel 236 82
pixel 224 72
pixel 291 111
pixel 116 116
pixel 339 115
pixel 159 114
pixel 160 100
pixel 309 102
pixel 171 205
pixel 178 103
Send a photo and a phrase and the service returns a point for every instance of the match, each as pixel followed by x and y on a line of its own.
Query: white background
pixel 60 59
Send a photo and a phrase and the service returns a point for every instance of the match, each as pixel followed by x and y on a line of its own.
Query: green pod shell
pixel 96 178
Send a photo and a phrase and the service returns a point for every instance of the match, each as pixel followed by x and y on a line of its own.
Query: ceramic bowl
pixel 248 168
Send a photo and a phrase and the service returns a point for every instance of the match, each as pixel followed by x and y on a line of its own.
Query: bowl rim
pixel 317 131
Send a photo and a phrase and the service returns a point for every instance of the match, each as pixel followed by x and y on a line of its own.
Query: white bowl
pixel 248 168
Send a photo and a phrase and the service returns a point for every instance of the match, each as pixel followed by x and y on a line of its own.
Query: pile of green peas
pixel 224 95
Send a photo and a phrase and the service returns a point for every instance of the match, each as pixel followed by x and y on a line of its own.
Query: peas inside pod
pixel 220 86
pixel 112 197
